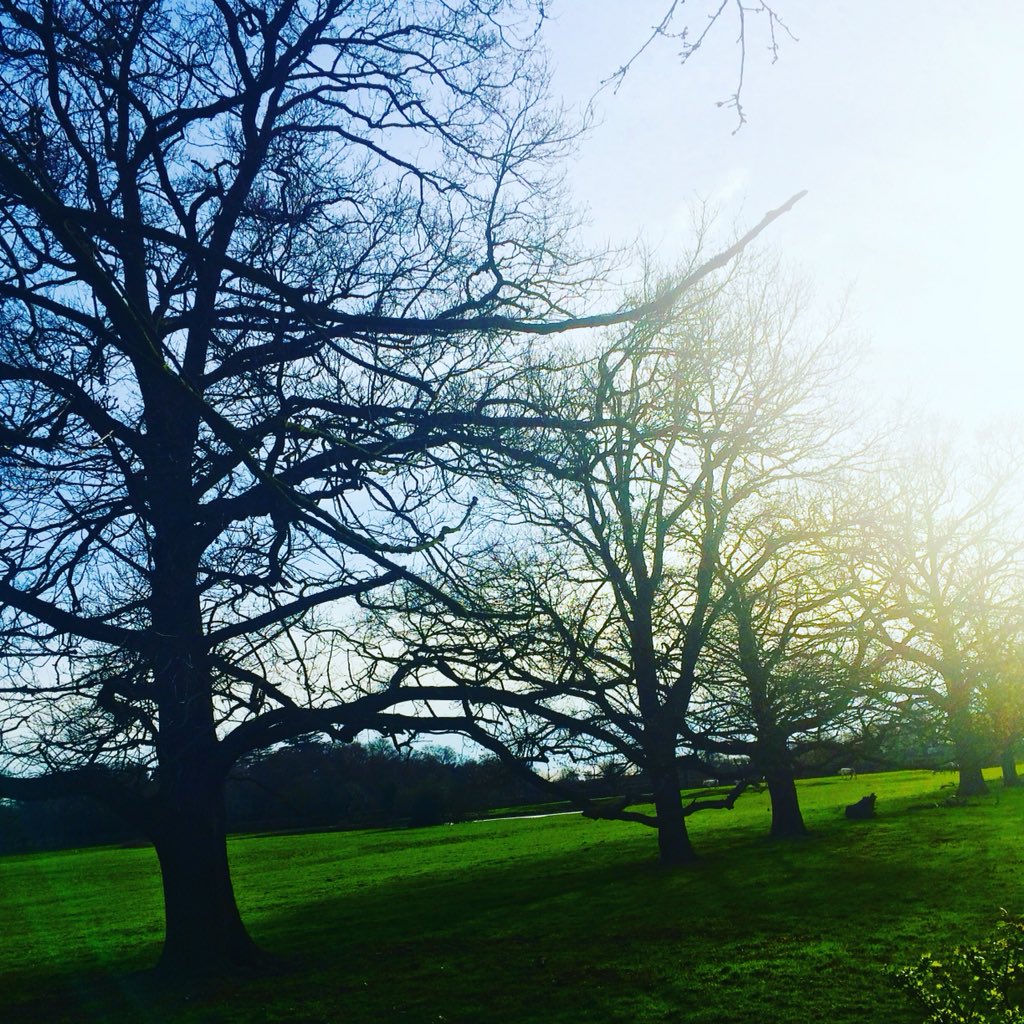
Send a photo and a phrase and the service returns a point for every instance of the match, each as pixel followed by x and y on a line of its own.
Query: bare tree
pixel 612 584
pixel 1000 636
pixel 1002 704
pixel 259 268
pixel 786 666
pixel 942 569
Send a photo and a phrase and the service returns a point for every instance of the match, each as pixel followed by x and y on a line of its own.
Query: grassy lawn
pixel 552 920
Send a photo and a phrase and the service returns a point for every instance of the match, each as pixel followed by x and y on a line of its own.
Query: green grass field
pixel 551 920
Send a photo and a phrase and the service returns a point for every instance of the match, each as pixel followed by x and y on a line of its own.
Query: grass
pixel 552 920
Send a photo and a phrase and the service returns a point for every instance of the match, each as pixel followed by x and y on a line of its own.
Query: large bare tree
pixel 787 667
pixel 609 582
pixel 940 566
pixel 259 269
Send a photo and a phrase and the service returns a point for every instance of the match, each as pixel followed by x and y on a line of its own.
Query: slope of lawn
pixel 553 920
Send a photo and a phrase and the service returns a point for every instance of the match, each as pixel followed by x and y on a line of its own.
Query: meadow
pixel 553 919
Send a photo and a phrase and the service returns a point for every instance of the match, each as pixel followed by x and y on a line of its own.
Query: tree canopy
pixel 262 269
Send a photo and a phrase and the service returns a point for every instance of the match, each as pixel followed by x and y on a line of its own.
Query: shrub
pixel 980 984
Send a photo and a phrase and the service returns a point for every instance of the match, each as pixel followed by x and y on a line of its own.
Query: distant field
pixel 556 920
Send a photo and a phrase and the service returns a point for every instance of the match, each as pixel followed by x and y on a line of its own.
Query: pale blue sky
pixel 904 120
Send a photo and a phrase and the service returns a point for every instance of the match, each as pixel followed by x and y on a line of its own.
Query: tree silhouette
pixel 942 572
pixel 260 266
pixel 611 580
pixel 786 670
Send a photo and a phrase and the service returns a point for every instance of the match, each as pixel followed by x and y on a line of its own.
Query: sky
pixel 903 119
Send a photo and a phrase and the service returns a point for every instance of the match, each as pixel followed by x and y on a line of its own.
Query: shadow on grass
pixel 592 929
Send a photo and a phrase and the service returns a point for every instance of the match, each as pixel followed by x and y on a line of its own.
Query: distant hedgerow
pixel 982 984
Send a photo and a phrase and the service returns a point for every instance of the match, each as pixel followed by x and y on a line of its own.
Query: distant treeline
pixel 309 783
pixel 312 783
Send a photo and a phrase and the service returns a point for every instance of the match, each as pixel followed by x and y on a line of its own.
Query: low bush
pixel 980 984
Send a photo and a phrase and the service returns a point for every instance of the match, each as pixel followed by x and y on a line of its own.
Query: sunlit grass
pixel 554 919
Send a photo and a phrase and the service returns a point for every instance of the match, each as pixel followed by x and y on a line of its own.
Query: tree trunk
pixel 1009 766
pixel 787 821
pixel 972 783
pixel 971 750
pixel 204 931
pixel 674 846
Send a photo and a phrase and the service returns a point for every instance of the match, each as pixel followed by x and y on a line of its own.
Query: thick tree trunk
pixel 674 846
pixel 787 821
pixel 972 783
pixel 972 739
pixel 660 739
pixel 204 931
pixel 1009 766
pixel 970 743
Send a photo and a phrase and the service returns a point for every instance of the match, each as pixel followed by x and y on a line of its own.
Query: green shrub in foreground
pixel 980 984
